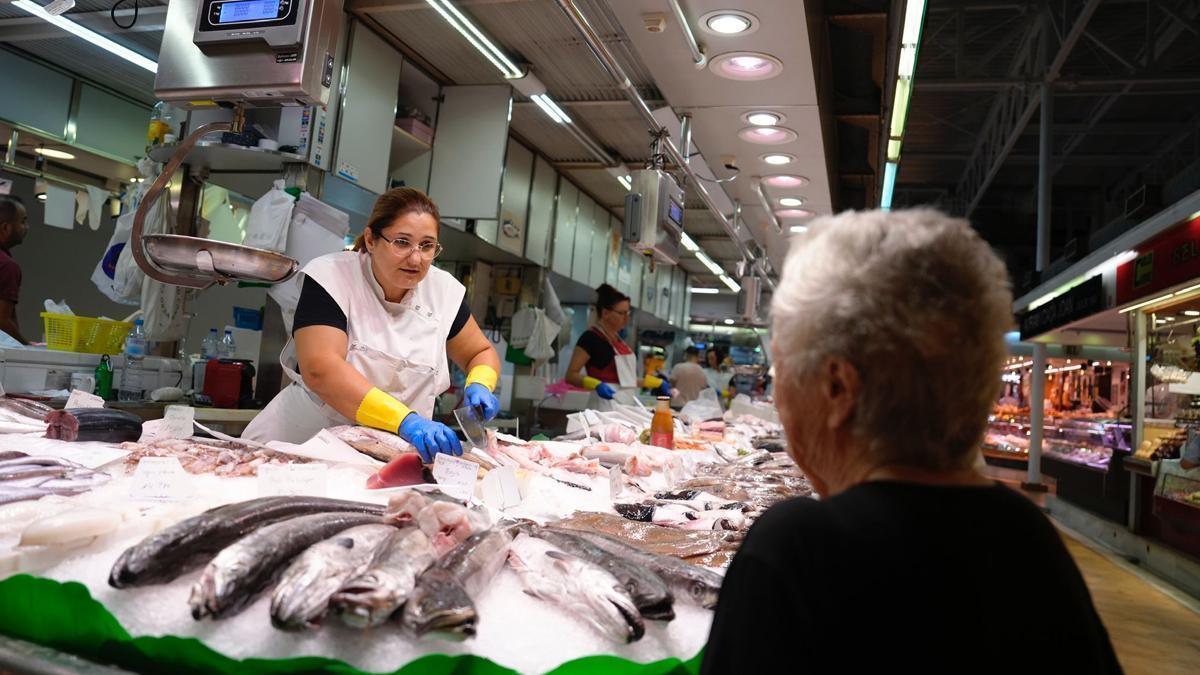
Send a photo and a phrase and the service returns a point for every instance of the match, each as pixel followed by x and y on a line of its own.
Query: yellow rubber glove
pixel 651 382
pixel 484 375
pixel 380 410
pixel 590 383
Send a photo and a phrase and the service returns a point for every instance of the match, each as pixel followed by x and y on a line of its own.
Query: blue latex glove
pixel 429 437
pixel 664 389
pixel 478 395
pixel 605 391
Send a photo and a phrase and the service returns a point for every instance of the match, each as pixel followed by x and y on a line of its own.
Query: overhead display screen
pixel 248 10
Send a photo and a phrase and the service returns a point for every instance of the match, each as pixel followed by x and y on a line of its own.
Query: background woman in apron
pixel 372 331
pixel 609 363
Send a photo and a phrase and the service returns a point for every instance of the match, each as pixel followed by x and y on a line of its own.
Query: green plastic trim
pixel 64 616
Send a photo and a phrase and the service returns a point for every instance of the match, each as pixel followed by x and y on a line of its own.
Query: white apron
pixel 399 347
pixel 627 379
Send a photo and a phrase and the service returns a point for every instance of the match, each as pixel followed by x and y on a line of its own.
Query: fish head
pixel 701 590
pixel 368 599
pixel 440 605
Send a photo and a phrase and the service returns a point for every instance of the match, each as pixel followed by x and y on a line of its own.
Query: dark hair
pixel 8 208
pixel 607 297
pixel 393 204
pixel 691 351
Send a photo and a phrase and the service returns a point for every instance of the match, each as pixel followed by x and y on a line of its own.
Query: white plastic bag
pixel 706 406
pixel 316 229
pixel 267 226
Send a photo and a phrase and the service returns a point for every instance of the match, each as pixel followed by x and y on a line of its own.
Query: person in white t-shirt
pixel 688 377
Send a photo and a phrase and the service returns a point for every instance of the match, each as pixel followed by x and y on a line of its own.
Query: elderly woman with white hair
pixel 887 337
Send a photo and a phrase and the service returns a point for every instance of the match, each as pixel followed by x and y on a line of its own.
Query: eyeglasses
pixel 403 247
pixel 623 312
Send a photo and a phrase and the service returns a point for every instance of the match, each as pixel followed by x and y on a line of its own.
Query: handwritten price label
pixel 179 421
pixel 616 482
pixel 455 473
pixel 160 478
pixel 290 480
pixel 83 399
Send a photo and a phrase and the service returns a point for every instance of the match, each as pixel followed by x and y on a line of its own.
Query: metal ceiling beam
pixel 1011 113
pixel 985 85
pixel 26 28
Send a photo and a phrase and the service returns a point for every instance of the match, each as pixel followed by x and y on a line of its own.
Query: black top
pixel 599 350
pixel 897 577
pixel 317 307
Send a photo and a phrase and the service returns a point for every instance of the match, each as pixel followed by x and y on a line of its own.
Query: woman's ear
pixel 840 385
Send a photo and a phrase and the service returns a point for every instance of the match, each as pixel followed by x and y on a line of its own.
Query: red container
pixel 225 381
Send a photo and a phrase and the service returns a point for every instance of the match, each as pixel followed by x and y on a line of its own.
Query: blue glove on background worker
pixel 605 391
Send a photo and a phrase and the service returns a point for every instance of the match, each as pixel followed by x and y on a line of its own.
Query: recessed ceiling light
pixel 799 229
pixel 778 159
pixel 1190 312
pixel 53 154
pixel 41 196
pixel 728 322
pixel 728 23
pixel 793 213
pixel 763 118
pixel 791 201
pixel 745 66
pixel 768 135
pixel 785 180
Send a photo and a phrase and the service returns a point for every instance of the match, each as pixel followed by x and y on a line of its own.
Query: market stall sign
pixel 1170 259
pixel 1078 303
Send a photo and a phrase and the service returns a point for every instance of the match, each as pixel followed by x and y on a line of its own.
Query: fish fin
pixel 559 556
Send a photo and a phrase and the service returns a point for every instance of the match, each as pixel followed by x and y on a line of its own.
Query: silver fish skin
pixel 443 598
pixel 650 593
pixel 582 589
pixel 371 598
pixel 690 584
pixel 191 543
pixel 302 595
pixel 248 566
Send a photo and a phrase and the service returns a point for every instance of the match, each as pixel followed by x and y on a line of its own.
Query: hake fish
pixel 304 590
pixel 190 543
pixel 371 598
pixel 242 570
pixel 650 593
pixel 443 598
pixel 579 587
pixel 689 583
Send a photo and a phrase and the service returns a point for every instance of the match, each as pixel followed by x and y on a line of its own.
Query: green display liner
pixel 64 616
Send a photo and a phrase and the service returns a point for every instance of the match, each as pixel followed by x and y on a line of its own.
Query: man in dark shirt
pixel 13 227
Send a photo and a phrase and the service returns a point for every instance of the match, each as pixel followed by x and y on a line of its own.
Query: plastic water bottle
pixel 135 352
pixel 228 347
pixel 208 346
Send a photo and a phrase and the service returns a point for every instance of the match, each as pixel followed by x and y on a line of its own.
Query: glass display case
pixel 1087 442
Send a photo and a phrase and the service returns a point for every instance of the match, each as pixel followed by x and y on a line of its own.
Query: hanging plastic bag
pixel 316 229
pixel 117 275
pixel 270 216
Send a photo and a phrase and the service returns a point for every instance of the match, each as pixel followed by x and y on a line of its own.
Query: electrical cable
pixel 113 14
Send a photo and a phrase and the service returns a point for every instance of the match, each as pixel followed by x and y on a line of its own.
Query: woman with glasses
pixel 372 331
pixel 602 354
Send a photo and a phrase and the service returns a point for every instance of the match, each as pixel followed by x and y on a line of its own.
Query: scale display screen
pixel 248 10
pixel 675 213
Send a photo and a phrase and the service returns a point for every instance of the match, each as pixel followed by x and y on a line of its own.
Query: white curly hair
pixel 919 304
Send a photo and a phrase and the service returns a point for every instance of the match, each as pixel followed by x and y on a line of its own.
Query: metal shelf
pixel 217 157
pixel 405 148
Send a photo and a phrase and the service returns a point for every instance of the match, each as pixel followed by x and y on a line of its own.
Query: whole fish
pixel 371 598
pixel 581 588
pixel 93 424
pixel 247 567
pixel 190 543
pixel 690 584
pixel 11 454
pixel 443 598
pixel 302 595
pixel 448 524
pixel 651 595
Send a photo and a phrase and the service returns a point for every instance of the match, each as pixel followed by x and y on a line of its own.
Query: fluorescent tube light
pixel 889 186
pixel 733 285
pixel 914 17
pixel 476 37
pixel 87 34
pixel 708 262
pixel 550 108
pixel 799 229
pixel 1147 302
pixel 704 291
pixel 688 243
pixel 627 182
pixel 900 107
pixel 908 62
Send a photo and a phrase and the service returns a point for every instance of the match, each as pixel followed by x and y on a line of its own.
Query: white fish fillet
pixel 71 526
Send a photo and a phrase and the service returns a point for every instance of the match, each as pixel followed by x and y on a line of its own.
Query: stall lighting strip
pixel 688 243
pixel 910 42
pixel 476 37
pixel 733 285
pixel 1150 302
pixel 1064 369
pixel 708 262
pixel 551 109
pixel 704 291
pixel 1015 366
pixel 87 34
pixel 1103 268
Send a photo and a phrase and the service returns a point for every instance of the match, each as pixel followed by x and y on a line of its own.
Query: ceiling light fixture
pixel 727 22
pixel 1190 312
pixel 768 135
pixel 747 66
pixel 477 38
pixel 626 182
pixel 704 291
pixel 688 243
pixel 551 108
pixel 728 322
pixel 87 34
pixel 794 213
pixel 799 229
pixel 763 118
pixel 733 285
pixel 889 186
pixel 53 154
pixel 910 41
pixel 778 159
pixel 791 201
pixel 785 181
pixel 709 263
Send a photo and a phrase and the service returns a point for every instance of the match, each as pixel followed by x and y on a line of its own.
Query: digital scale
pixel 248 53
pixel 654 215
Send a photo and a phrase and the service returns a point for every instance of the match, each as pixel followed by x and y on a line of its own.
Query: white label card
pixel 616 482
pixel 673 471
pixel 292 479
pixel 84 399
pixel 160 478
pixel 179 421
pixel 499 488
pixel 460 473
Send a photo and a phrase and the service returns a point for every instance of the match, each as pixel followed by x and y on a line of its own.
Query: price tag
pixel 292 479
pixel 499 488
pixel 456 473
pixel 179 421
pixel 616 482
pixel 161 478
pixel 673 471
pixel 84 399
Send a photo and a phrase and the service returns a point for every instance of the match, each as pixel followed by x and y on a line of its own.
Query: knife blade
pixel 470 420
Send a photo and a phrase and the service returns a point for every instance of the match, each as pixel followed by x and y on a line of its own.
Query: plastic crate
pixel 244 317
pixel 84 334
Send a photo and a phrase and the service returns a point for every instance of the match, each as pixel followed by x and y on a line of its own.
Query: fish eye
pixel 697 590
